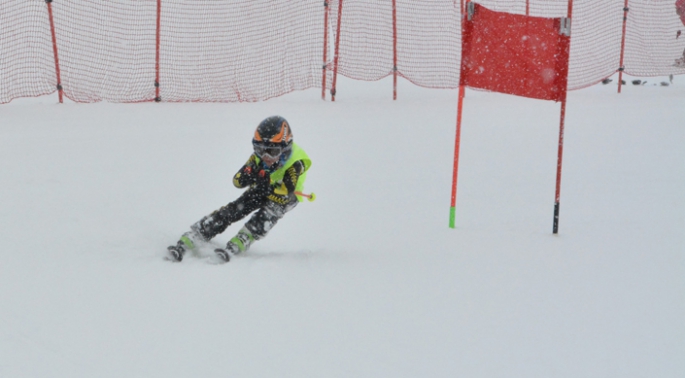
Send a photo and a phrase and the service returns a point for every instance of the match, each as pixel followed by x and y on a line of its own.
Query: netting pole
pixel 455 169
pixel 157 43
pixel 337 46
pixel 560 151
pixel 54 49
pixel 623 45
pixel 527 7
pixel 325 49
pixel 394 50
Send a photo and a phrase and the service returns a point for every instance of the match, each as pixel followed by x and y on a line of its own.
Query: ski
pixel 175 253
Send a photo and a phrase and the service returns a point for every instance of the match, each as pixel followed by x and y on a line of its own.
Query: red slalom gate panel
pixel 515 54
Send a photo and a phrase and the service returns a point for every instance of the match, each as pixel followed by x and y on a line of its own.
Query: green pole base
pixel 452 216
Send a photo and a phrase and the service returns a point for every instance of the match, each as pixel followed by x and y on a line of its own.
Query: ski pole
pixel 310 197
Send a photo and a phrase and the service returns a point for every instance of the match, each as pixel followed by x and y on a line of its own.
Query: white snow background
pixel 368 280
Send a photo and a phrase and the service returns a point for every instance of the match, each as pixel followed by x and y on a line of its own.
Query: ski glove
pixel 262 178
pixel 247 175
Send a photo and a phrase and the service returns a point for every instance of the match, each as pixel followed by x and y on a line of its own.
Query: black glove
pixel 246 176
pixel 262 177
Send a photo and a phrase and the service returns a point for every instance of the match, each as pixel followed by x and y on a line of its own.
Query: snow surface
pixel 368 281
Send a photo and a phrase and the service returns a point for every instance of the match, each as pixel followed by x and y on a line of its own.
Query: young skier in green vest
pixel 274 176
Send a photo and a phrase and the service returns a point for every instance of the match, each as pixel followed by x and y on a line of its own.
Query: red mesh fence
pixel 428 41
pixel 27 67
pixel 209 50
pixel 428 38
pixel 239 50
pixel 106 49
pixel 653 38
pixel 249 50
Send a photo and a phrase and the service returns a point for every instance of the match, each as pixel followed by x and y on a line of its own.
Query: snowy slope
pixel 368 281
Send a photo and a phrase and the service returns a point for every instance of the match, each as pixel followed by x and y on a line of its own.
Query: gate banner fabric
pixel 515 54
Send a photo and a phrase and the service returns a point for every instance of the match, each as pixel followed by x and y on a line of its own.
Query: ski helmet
pixel 273 140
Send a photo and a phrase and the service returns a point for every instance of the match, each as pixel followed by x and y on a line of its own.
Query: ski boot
pixel 186 242
pixel 239 244
pixel 176 252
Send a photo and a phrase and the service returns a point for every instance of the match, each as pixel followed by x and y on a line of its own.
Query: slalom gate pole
pixel 325 49
pixel 560 153
pixel 157 43
pixel 54 49
pixel 457 141
pixel 623 45
pixel 394 49
pixel 337 45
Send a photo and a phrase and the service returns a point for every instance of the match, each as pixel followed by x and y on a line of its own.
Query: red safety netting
pixel 106 49
pixel 428 40
pixel 239 50
pixel 654 38
pixel 435 26
pixel 249 50
pixel 208 50
pixel 27 66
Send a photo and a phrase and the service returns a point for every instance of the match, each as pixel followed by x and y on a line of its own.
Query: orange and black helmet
pixel 273 141
pixel 273 131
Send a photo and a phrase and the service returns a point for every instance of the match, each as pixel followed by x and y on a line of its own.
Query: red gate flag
pixel 515 54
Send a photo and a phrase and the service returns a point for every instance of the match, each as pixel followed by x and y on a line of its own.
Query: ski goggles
pixel 272 151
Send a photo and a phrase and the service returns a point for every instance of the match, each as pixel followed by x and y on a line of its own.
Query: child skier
pixel 274 175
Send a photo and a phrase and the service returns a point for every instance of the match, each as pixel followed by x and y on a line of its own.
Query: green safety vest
pixel 277 176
